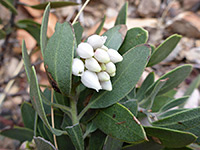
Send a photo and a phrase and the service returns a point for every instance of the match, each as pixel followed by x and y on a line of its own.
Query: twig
pixel 52 120
pixel 80 11
pixel 10 83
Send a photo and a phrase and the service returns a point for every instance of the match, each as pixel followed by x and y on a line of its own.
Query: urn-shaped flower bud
pixel 92 65
pixel 112 74
pixel 115 57
pixel 96 41
pixel 103 67
pixel 101 55
pixel 85 50
pixel 110 67
pixel 103 76
pixel 77 67
pixel 104 48
pixel 90 80
pixel 106 85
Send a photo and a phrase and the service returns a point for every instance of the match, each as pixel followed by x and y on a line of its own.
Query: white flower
pixel 112 74
pixel 92 65
pixel 106 85
pixel 96 41
pixel 103 76
pixel 90 80
pixel 115 57
pixel 85 50
pixel 101 55
pixel 103 67
pixel 110 67
pixel 77 67
pixel 104 48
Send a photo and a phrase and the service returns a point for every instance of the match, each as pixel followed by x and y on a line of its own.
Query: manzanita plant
pixel 94 103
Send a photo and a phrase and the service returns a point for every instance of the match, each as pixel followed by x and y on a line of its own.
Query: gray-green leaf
pixel 122 16
pixel 134 37
pixel 122 124
pixel 58 58
pixel 128 74
pixel 164 49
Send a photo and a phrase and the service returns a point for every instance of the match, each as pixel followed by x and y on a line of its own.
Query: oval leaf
pixel 164 49
pixel 128 74
pixel 186 120
pixel 58 58
pixel 115 36
pixel 122 124
pixel 170 138
pixel 43 144
pixel 134 37
pixel 18 133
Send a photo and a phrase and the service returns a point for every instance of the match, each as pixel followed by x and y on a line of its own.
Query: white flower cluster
pixel 96 64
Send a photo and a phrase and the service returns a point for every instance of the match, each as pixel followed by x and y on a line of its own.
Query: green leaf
pixel 182 148
pixel 54 4
pixel 132 105
pixel 112 144
pixel 98 31
pixel 32 27
pixel 42 144
pixel 149 100
pixel 122 124
pixel 170 138
pixel 145 85
pixel 36 100
pixel 174 103
pixel 78 30
pixel 195 83
pixel 58 58
pixel 61 99
pixel 161 52
pixel 134 37
pixel 175 77
pixel 89 129
pixel 26 59
pixel 64 142
pixel 187 120
pixel 128 73
pixel 2 34
pixel 43 30
pixel 170 112
pixel 76 135
pixel 28 115
pixel 8 5
pixel 18 133
pixel 122 16
pixel 115 36
pixel 97 140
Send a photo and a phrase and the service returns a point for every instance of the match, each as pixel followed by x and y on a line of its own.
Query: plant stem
pixel 73 110
pixel 83 111
pixel 80 11
pixel 52 120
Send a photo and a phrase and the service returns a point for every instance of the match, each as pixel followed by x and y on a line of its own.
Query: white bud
pixel 92 65
pixel 101 55
pixel 104 48
pixel 77 67
pixel 106 85
pixel 103 67
pixel 103 76
pixel 85 50
pixel 90 80
pixel 115 57
pixel 112 74
pixel 96 41
pixel 110 67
